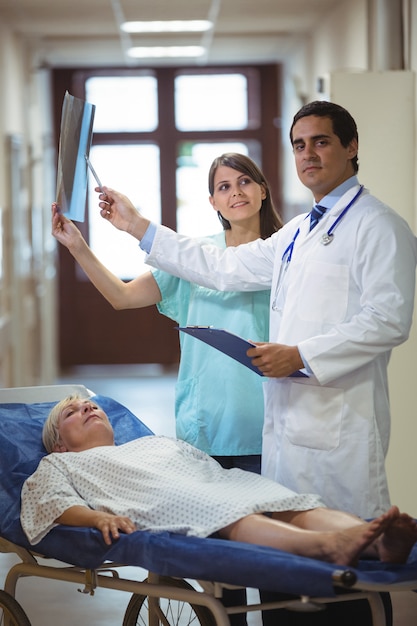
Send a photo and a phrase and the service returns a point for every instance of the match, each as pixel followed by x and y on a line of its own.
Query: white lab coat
pixel 345 306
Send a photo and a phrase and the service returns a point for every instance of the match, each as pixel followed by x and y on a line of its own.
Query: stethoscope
pixel 325 240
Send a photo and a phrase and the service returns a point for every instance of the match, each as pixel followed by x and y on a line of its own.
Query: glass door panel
pixel 123 103
pixel 211 102
pixel 134 171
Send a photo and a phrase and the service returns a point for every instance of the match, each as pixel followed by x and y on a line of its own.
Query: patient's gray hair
pixel 50 432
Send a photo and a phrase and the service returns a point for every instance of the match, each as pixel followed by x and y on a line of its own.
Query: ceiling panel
pixel 80 32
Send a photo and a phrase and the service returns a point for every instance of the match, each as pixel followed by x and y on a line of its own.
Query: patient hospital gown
pixel 162 484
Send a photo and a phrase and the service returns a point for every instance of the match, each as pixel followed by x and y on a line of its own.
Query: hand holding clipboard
pixel 230 344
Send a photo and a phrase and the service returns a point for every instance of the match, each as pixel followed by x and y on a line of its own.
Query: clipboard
pixel 228 343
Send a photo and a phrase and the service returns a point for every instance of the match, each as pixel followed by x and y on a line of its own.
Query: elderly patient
pixel 156 483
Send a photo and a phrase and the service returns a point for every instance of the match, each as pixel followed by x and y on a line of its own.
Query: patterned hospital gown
pixel 162 484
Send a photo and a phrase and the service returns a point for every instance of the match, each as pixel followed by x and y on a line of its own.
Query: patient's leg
pixel 322 518
pixel 341 546
pixel 394 544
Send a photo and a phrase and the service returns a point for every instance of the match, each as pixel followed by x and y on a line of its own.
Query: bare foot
pixel 347 545
pixel 397 541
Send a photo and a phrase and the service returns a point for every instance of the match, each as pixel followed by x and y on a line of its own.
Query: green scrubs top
pixel 218 401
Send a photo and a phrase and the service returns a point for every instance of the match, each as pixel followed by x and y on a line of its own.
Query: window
pixel 213 102
pixel 150 146
pixel 134 169
pixel 156 133
pixel 123 103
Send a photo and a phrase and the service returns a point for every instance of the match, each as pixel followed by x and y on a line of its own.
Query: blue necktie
pixel 316 214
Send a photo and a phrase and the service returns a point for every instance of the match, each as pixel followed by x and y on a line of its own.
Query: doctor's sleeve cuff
pixel 148 238
pixel 306 365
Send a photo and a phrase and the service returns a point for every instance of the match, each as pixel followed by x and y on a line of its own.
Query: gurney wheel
pixel 11 613
pixel 173 612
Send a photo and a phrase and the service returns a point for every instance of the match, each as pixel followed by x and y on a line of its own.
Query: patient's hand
pixel 110 525
pixel 107 523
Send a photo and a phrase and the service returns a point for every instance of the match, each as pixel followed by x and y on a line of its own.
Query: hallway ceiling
pixel 86 32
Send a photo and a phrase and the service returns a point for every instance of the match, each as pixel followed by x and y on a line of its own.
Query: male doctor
pixel 342 295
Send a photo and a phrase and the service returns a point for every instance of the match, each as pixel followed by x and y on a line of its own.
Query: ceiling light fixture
pixel 168 26
pixel 158 52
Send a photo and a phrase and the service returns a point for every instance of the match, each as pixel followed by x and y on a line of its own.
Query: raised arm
pixel 141 292
pixel 107 523
pixel 248 267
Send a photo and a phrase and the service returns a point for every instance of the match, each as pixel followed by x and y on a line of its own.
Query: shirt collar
pixel 334 196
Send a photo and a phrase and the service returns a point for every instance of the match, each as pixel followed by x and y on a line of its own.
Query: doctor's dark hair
pixel 344 126
pixel 270 220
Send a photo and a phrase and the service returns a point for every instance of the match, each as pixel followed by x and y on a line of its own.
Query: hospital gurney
pixel 169 558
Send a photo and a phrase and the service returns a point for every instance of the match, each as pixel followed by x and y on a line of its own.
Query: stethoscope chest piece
pixel 327 238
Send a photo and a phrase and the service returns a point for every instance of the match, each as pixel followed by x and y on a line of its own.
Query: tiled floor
pixel 149 393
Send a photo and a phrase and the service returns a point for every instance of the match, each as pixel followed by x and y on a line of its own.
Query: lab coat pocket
pixel 314 416
pixel 323 292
